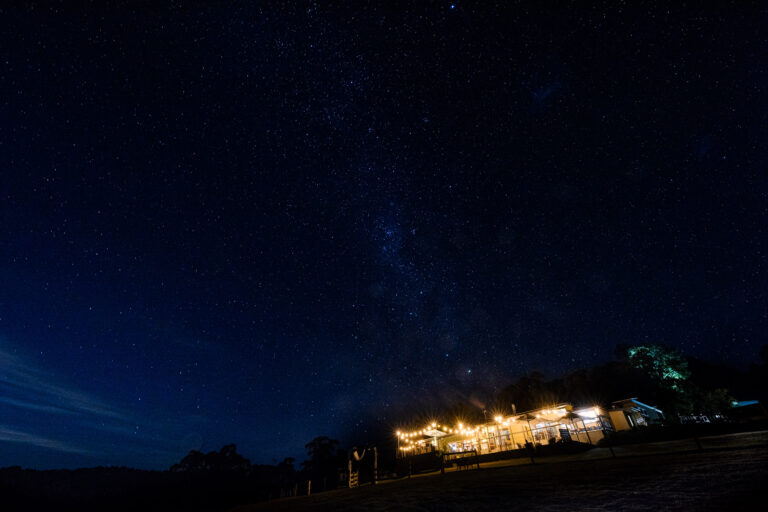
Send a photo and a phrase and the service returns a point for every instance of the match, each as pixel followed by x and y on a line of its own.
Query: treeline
pixel 218 480
pixel 323 466
pixel 656 374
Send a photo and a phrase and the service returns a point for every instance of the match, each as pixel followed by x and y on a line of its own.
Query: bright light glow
pixel 588 414
pixel 498 419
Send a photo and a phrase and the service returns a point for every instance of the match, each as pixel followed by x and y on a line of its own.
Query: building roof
pixel 636 402
pixel 744 403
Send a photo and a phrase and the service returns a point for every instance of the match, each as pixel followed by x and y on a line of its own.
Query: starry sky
pixel 260 222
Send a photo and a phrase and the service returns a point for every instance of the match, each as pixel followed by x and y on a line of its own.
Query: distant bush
pixel 226 459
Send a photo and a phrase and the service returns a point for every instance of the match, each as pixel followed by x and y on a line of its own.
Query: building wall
pixel 619 420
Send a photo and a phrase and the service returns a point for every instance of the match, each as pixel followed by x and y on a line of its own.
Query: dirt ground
pixel 727 479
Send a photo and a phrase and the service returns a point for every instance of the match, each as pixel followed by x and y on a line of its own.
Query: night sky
pixel 259 224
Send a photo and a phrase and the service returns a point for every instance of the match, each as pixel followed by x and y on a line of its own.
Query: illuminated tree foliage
pixel 667 366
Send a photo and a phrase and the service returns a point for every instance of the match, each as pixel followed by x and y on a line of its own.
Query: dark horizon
pixel 218 224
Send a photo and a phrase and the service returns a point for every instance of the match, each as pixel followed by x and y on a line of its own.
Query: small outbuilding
pixel 631 413
pixel 747 410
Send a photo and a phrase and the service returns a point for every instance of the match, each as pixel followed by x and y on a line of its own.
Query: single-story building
pixel 747 410
pixel 509 432
pixel 630 413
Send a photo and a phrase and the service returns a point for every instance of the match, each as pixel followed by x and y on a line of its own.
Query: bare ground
pixel 727 479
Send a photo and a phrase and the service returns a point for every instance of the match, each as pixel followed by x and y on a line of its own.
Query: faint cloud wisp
pixel 27 387
pixel 14 436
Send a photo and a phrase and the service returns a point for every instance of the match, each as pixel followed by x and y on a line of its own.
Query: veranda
pixel 558 423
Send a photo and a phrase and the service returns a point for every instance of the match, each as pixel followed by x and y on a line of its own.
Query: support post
pixel 605 435
pixel 375 465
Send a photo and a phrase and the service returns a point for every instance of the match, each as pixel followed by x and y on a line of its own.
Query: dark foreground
pixel 713 480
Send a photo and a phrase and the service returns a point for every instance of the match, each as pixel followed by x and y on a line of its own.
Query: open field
pixel 664 478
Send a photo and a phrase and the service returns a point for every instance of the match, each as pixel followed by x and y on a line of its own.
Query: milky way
pixel 231 224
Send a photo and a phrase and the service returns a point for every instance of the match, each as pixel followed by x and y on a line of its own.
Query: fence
pixel 462 460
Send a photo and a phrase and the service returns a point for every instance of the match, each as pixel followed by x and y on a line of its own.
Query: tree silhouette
pixel 325 461
pixel 226 459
